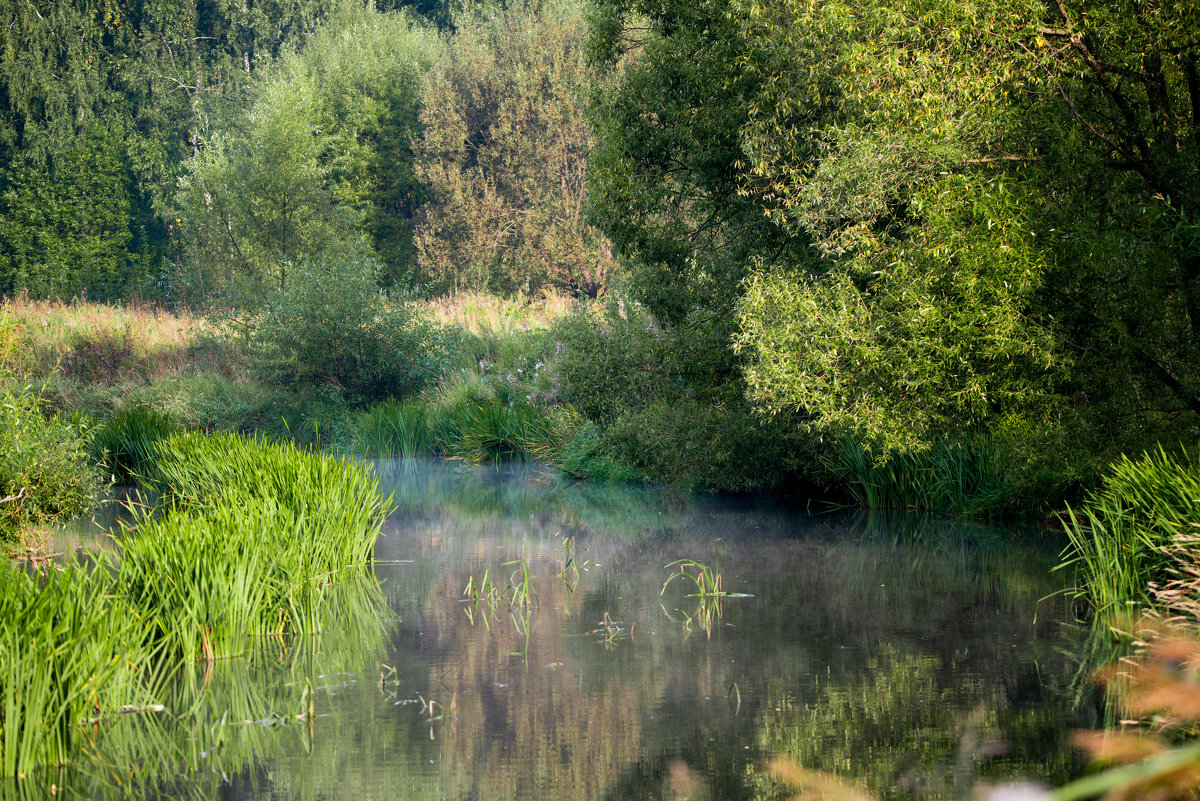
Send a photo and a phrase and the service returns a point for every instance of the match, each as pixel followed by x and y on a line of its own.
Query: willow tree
pixel 503 154
pixel 981 213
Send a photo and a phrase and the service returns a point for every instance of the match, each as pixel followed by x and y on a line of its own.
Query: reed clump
pixel 1124 537
pixel 71 654
pixel 473 429
pixel 255 540
pixel 963 478
pixel 125 443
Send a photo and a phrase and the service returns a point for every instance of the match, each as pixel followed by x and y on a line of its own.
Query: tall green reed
pixel 964 478
pixel 473 429
pixel 254 545
pixel 71 653
pixel 1121 536
pixel 125 443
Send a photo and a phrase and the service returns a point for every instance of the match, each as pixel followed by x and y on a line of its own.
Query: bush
pixel 46 474
pixel 330 324
pixel 710 446
pixel 584 457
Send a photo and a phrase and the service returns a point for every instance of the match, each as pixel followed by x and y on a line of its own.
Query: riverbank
pixel 587 387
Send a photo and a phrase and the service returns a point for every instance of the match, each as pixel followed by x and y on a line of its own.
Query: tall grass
pixel 491 316
pixel 257 541
pixel 1123 534
pixel 963 478
pixel 70 653
pixel 125 443
pixel 471 428
pixel 392 429
pixel 337 499
pixel 105 343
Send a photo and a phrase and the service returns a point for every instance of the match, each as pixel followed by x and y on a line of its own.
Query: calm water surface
pixel 918 659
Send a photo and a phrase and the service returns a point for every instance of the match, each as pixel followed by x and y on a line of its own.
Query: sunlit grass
pixel 1122 535
pixel 253 547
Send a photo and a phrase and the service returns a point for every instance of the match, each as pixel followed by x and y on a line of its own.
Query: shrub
pixel 330 324
pixel 46 474
pixel 718 446
pixel 584 457
pixel 611 363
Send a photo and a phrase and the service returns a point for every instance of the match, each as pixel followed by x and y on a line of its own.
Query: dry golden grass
pixel 480 313
pixel 100 343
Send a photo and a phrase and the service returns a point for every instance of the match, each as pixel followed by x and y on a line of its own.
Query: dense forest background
pixel 914 229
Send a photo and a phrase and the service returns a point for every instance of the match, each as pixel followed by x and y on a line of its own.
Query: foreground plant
pixel 256 540
pixel 1121 536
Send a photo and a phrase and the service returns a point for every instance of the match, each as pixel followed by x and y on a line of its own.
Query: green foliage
pixel 710 446
pixel 70 655
pixel 475 426
pixel 964 478
pixel 321 156
pixel 46 474
pixel 668 405
pixel 1120 535
pixel 503 151
pixel 584 457
pixel 332 325
pixel 99 106
pixel 125 443
pixel 66 230
pixel 929 218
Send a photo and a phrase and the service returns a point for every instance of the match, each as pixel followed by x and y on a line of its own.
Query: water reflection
pixel 913 656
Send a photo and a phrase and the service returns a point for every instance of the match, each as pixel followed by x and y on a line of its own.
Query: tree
pixel 981 211
pixel 99 105
pixel 503 152
pixel 318 160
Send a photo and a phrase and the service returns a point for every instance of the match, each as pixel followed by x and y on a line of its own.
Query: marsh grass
pixel 392 429
pixel 963 478
pixel 1121 538
pixel 100 343
pixel 519 597
pixel 474 428
pixel 125 443
pixel 493 316
pixel 70 654
pixel 255 547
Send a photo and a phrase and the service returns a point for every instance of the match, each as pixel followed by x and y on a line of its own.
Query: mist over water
pixel 917 658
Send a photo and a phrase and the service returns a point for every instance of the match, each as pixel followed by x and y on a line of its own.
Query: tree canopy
pixel 939 215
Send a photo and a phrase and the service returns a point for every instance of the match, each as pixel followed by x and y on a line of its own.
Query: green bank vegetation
pixel 911 255
pixel 254 543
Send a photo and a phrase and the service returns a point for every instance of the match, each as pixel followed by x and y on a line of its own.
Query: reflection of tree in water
pixel 937 621
pixel 904 732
